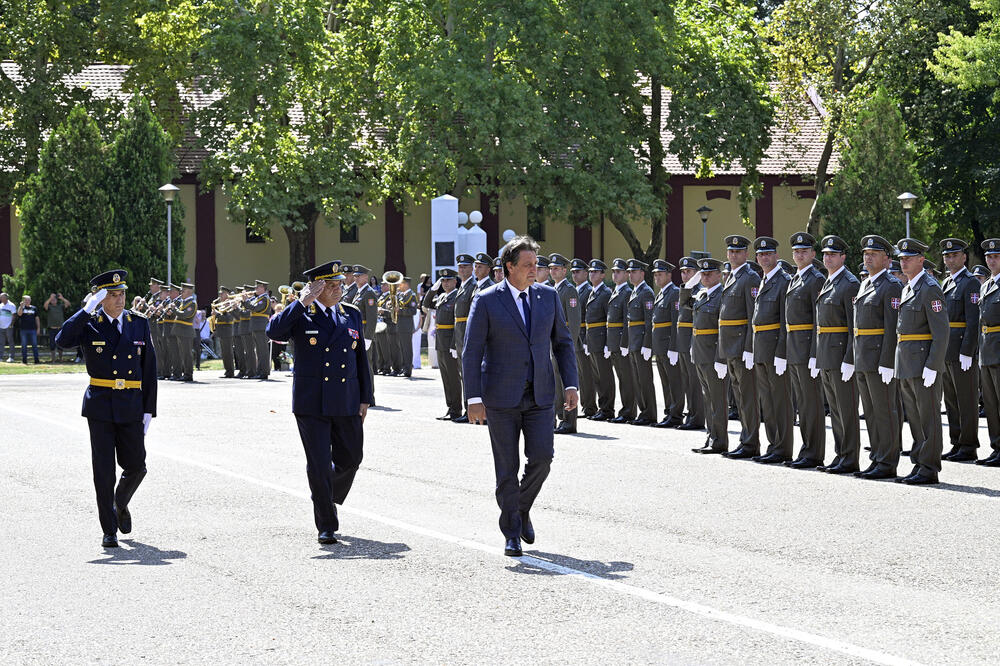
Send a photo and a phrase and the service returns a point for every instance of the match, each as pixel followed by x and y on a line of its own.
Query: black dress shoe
pixel 992 461
pixel 587 413
pixel 673 422
pixel 770 459
pixel 963 456
pixel 803 463
pixel 904 453
pixel 690 426
pixel 599 416
pixel 665 423
pixel 446 417
pixel 878 474
pixel 840 469
pixel 734 415
pixel 741 454
pixel 124 519
pixel 708 450
pixel 563 429
pixel 919 480
pixel 109 541
pixel 641 422
pixel 464 418
pixel 527 529
pixel 512 548
pixel 619 419
pixel 870 468
pixel 326 537
pixel 954 449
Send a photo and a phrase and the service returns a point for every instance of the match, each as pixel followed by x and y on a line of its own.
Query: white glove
pixel 929 376
pixel 672 357
pixel 95 301
pixel 846 372
pixel 454 353
pixel 780 365
pixel 368 344
pixel 607 353
pixel 748 360
pixel 693 282
pixel 887 374
pixel 647 353
pixel 965 362
pixel 721 370
pixel 146 418
pixel 586 352
pixel 623 350
pixel 813 370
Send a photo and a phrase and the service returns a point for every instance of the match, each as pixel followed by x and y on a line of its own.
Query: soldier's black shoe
pixel 587 413
pixel 904 453
pixel 527 529
pixel 690 426
pixel 109 541
pixel 665 423
pixel 841 469
pixel 464 418
pixel 954 449
pixel 740 453
pixel 708 449
pixel 446 417
pixel 619 419
pixel 803 463
pixel 965 455
pixel 512 548
pixel 600 416
pixel 641 422
pixel 563 429
pixel 124 519
pixel 878 474
pixel 991 461
pixel 326 537
pixel 870 468
pixel 770 459
pixel 919 480
pixel 672 422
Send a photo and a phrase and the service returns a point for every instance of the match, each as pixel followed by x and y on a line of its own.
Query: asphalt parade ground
pixel 645 552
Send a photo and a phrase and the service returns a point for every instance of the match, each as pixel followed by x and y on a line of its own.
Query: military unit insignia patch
pixel 974 297
pixel 572 302
pixel 649 305
pixel 894 302
pixel 936 306
pixel 754 291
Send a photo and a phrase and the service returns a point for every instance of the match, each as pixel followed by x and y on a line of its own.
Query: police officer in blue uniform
pixel 331 388
pixel 121 398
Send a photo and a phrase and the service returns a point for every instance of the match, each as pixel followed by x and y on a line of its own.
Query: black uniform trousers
pixel 506 426
pixel 108 440
pixel 626 384
pixel 604 375
pixel 990 380
pixel 844 419
pixel 961 402
pixel 880 402
pixel 716 406
pixel 691 387
pixel 923 407
pixel 744 385
pixel 645 392
pixel 673 387
pixel 334 448
pixel 776 404
pixel 809 402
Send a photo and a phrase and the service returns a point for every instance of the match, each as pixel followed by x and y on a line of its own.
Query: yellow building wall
pixel 416 235
pixel 369 251
pixel 724 220
pixel 791 214
pixel 238 261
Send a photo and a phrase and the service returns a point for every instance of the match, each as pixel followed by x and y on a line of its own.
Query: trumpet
pixel 287 291
pixel 393 279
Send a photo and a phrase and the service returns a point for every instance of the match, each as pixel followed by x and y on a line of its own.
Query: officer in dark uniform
pixel 463 303
pixel 705 351
pixel 569 299
pixel 331 391
pixel 260 313
pixel 121 398
pixel 585 370
pixel 961 378
pixel 981 273
pixel 770 354
pixel 876 309
pixel 989 349
pixel 451 379
pixel 639 314
pixel 481 269
pixel 665 313
pixel 497 273
pixel 800 346
pixel 351 288
pixel 617 343
pixel 224 332
pixel 596 317
pixel 409 306
pixel 690 384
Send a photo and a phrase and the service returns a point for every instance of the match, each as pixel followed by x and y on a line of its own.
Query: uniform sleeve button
pixel 327 349
pixel 326 379
pixel 342 365
pixel 328 364
pixel 130 355
pixel 130 372
pixel 345 351
pixel 114 372
pixel 114 357
pixel 342 380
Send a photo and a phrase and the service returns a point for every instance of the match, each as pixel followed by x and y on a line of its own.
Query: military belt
pixel 635 323
pixel 446 326
pixel 596 324
pixel 765 327
pixel 615 324
pixel 869 331
pixel 733 322
pixel 913 337
pixel 991 329
pixel 459 320
pixel 663 324
pixel 223 323
pixel 685 324
pixel 186 323
pixel 706 331
pixel 956 324
pixel 834 329
pixel 116 384
pixel 260 314
pixel 798 327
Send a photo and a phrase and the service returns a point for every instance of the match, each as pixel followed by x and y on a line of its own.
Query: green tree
pixel 877 160
pixel 972 61
pixel 140 160
pixel 66 232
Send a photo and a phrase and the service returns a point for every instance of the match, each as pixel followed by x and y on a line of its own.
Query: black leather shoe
pixel 690 426
pixel 770 459
pixel 512 548
pixel 599 416
pixel 673 422
pixel 464 418
pixel 919 480
pixel 124 519
pixel 527 529
pixel 841 469
pixel 878 474
pixel 904 453
pixel 665 423
pixel 326 538
pixel 446 417
pixel 803 463
pixel 109 541
pixel 587 413
pixel 563 429
pixel 964 455
pixel 641 422
pixel 708 450
pixel 954 449
pixel 741 454
pixel 619 419
pixel 734 415
pixel 870 468
pixel 992 461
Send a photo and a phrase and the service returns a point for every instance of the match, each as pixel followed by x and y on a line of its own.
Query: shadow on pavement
pixel 383 408
pixel 139 553
pixel 972 490
pixel 590 435
pixel 356 548
pixel 609 570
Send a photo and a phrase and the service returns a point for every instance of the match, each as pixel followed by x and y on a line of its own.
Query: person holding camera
pixel 55 306
pixel 31 328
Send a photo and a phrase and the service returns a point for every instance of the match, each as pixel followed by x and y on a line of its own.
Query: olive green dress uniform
pixel 665 314
pixel 365 299
pixel 260 314
pixel 922 343
pixel 171 332
pixel 246 338
pixel 617 338
pixel 408 308
pixel 463 303
pixel 690 384
pixel 585 369
pixel 769 342
pixel 239 351
pixel 444 306
pixel 384 345
pixel 224 334
pixel 989 354
pixel 706 307
pixel 961 387
pixel 184 323
pixel 596 317
pixel 157 321
pixel 639 314
pixel 800 346
pixel 569 298
pixel 876 310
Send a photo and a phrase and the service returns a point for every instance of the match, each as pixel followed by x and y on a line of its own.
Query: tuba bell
pixel 393 279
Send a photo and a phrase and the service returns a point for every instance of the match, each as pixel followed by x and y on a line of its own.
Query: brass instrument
pixel 393 279
pixel 230 303
pixel 286 291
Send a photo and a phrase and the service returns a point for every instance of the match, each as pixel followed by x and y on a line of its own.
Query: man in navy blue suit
pixel 331 388
pixel 121 398
pixel 509 383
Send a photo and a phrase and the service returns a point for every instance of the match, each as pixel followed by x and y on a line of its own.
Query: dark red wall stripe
pixel 206 272
pixel 583 243
pixel 395 240
pixel 675 221
pixel 490 224
pixel 764 208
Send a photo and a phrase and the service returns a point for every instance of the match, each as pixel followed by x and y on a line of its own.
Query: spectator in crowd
pixel 31 328
pixel 7 312
pixel 202 333
pixel 55 306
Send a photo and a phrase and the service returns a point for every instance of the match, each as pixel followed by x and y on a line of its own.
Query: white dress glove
pixel 965 362
pixel 146 418
pixel 693 282
pixel 647 353
pixel 887 374
pixel 95 301
pixel 607 353
pixel 748 360
pixel 721 370
pixel 813 370
pixel 780 365
pixel 623 350
pixel 454 353
pixel 672 357
pixel 846 372
pixel 929 377
pixel 368 344
pixel 586 352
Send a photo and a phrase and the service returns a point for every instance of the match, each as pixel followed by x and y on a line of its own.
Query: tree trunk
pixel 302 243
pixel 814 226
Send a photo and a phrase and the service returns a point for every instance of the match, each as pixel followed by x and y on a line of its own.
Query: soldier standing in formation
pixel 639 341
pixel 224 332
pixel 596 317
pixel 989 348
pixel 260 313
pixel 706 305
pixel 617 343
pixel 695 419
pixel 441 299
pixel 665 316
pixel 585 369
pixel 365 299
pixel 408 308
pixel 183 333
pixel 463 303
pixel 245 330
pixel 569 299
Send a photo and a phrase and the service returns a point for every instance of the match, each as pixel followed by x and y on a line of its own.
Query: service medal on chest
pixel 313 341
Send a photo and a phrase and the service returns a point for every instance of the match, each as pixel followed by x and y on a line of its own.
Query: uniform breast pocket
pixel 873 300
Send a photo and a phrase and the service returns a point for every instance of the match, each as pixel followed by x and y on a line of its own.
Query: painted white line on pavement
pixel 631 590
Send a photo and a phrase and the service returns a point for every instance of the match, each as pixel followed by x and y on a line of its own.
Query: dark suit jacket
pixel 922 312
pixel 498 347
pixel 876 306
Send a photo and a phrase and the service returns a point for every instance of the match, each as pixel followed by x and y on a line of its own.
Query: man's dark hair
pixel 513 249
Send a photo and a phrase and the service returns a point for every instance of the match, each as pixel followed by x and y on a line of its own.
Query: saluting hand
pixel 312 291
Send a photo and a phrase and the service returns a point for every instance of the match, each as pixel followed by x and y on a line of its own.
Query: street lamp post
pixel 703 213
pixel 907 199
pixel 169 191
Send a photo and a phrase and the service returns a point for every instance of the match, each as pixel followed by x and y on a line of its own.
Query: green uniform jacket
pixel 921 312
pixel 876 307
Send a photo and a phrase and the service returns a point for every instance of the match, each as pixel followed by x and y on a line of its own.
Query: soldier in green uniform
pixel 542 270
pixel 596 317
pixel 173 368
pixel 352 289
pixel 224 332
pixel 260 314
pixel 463 303
pixel 639 340
pixel 920 360
pixel 876 309
pixel 961 377
pixel 800 347
pixel 569 297
pixel 585 370
pixel 706 355
pixel 665 315
pixel 481 270
pixel 365 299
pixel 497 273
pixel 617 344
pixel 770 354
pixel 409 306
pixel 184 331
pixel 155 287
pixel 249 370
pixel 444 306
pixel 690 384
pixel 239 351
pixel 989 349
